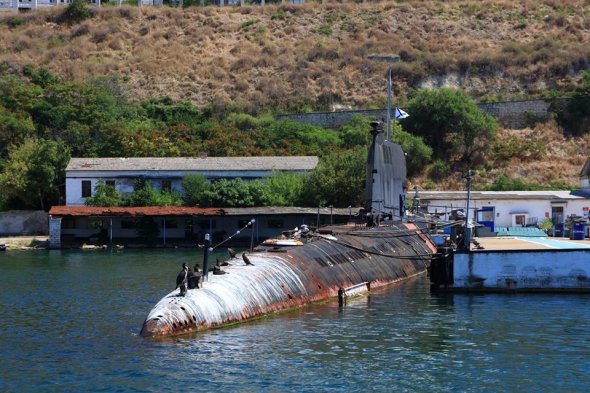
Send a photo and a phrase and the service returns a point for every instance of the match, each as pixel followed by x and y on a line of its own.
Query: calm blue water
pixel 69 322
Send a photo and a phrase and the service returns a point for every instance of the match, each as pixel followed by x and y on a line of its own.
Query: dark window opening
pixel 166 185
pixel 110 183
pixel 86 188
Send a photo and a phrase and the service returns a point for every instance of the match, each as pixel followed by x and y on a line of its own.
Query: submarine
pixel 379 249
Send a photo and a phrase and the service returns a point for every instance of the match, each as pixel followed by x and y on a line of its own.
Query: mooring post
pixel 467 228
pixel 206 257
pixel 253 222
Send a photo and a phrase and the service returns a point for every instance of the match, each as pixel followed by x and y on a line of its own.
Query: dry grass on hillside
pixel 560 164
pixel 293 57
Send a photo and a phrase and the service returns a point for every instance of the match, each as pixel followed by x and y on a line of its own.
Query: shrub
pixel 15 21
pixel 439 169
pixel 279 14
pixel 75 12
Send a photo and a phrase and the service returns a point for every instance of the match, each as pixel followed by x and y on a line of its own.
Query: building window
pixel 275 224
pixel 86 188
pixel 166 185
pixel 110 183
pixel 520 220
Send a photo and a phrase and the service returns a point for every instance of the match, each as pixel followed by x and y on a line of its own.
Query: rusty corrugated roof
pixel 82 211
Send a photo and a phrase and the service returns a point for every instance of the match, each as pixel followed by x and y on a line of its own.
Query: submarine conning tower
pixel 386 183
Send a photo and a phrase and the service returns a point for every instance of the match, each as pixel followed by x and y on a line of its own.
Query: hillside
pixel 287 58
pixel 312 56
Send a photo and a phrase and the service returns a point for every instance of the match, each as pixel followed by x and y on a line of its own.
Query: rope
pixel 251 222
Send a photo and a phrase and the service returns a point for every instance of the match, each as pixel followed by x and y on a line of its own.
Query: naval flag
pixel 399 114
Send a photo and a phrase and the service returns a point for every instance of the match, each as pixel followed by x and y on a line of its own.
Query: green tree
pixel 75 12
pixel 34 171
pixel 450 122
pixel 576 117
pixel 228 193
pixel 15 127
pixel 418 154
pixel 338 179
pixel 285 189
pixel 356 132
pixel 194 187
pixel 104 195
pixel 144 194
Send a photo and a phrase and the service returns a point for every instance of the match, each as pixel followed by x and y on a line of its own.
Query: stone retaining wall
pixel 23 222
pixel 510 114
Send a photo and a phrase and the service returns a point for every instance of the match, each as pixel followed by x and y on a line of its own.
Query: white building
pixel 509 208
pixel 82 174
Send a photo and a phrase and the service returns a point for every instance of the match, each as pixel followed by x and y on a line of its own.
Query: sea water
pixel 69 321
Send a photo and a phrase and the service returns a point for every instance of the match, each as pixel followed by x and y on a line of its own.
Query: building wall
pixel 124 180
pixel 533 208
pixel 23 222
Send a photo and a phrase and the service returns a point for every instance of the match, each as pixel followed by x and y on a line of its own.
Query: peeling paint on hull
pixel 301 275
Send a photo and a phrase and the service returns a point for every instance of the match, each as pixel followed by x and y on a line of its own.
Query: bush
pixel 439 169
pixel 451 123
pixel 75 12
pixel 418 154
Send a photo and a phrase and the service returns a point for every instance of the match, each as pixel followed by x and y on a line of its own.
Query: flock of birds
pixel 182 279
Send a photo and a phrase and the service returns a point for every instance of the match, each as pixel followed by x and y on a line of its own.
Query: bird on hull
pixel 246 259
pixel 232 252
pixel 181 279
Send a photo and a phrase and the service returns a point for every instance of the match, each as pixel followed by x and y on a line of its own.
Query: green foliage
pixel 526 150
pixel 576 117
pixel 356 132
pixel 246 25
pixel 285 189
pixel 325 30
pixel 33 172
pixel 194 187
pixel 451 123
pixel 15 21
pixel 439 169
pixel 104 195
pixel 279 14
pixel 338 179
pixel 228 193
pixel 144 194
pixel 42 77
pixel 418 154
pixel 15 127
pixel 75 12
pixel 546 224
pixel 148 230
pixel 244 122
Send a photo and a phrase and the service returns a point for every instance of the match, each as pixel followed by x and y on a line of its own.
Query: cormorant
pixel 181 279
pixel 232 252
pixel 246 259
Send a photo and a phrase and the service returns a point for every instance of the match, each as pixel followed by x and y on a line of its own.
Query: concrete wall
pixel 519 270
pixel 23 222
pixel 510 114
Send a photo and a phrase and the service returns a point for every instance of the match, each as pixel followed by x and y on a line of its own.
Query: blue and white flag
pixel 399 114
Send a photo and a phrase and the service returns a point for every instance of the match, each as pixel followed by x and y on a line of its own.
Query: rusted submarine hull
pixel 298 276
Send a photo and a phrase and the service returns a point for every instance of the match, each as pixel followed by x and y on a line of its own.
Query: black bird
pixel 246 259
pixel 181 279
pixel 232 252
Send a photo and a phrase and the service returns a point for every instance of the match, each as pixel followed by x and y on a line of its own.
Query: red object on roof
pixel 120 211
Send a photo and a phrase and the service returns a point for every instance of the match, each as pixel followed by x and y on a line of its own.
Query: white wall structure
pixel 523 270
pixel 509 205
pixel 163 171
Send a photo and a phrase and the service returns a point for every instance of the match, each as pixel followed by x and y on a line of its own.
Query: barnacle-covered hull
pixel 298 276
